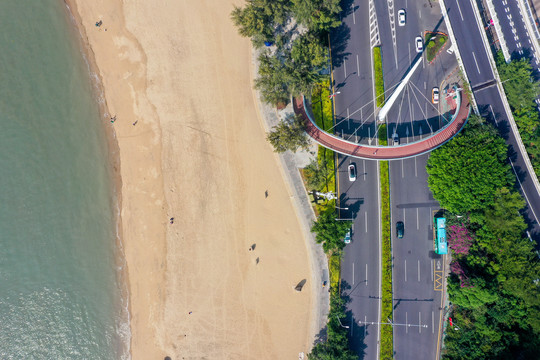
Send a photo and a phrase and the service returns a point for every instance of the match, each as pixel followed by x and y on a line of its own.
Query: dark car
pixel 400 229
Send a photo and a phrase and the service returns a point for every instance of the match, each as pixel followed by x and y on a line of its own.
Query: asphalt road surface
pixel 476 62
pixel 354 107
pixel 417 294
pixel 351 58
pixel 514 30
pixel 417 301
pixel 360 267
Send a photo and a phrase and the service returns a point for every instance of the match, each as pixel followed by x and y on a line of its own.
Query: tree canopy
pixel 289 134
pixel 297 54
pixel 336 346
pixel 329 231
pixel 319 15
pixel 464 175
pixel 521 91
pixel 494 281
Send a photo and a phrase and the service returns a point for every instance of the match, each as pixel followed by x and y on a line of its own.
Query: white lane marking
pixel 523 191
pixel 353 17
pixel 459 8
pixel 365 217
pixel 357 66
pixel 492 113
pixel 405 271
pixel 418 270
pixel 366 274
pixel 417 220
pixel 348 119
pixel 409 53
pixel 364 163
pixel 425 85
pixel 419 322
pixel 353 273
pixel 431 271
pixel 345 68
pixel 415 168
pixel 419 14
pixel 365 326
pixel 403 216
pixel 406 324
pixel 402 169
pixel 432 323
pixel 477 67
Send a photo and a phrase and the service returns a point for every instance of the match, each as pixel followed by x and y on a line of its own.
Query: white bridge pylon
pixel 392 99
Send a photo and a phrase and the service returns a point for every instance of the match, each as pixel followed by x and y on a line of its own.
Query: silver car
pixel 352 172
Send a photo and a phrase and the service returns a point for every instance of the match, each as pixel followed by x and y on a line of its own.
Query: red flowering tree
pixel 459 239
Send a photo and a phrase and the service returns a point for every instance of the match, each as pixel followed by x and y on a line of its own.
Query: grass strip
pixel 434 42
pixel 321 105
pixel 334 268
pixel 379 81
pixel 387 349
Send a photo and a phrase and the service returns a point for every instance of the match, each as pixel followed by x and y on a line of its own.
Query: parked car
pixel 401 17
pixel 400 229
pixel 352 172
pixel 347 239
pixel 435 95
pixel 395 139
pixel 419 44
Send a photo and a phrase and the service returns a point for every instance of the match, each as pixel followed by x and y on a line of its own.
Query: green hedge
pixel 434 43
pixel 334 268
pixel 321 105
pixel 387 349
pixel 379 81
pixel 383 138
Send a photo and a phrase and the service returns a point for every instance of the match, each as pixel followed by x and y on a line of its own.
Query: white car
pixel 419 44
pixel 435 95
pixel 347 239
pixel 401 17
pixel 352 172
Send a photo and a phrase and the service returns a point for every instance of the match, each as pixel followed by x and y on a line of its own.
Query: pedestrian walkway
pixel 403 151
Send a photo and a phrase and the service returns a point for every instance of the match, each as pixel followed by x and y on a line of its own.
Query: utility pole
pixel 390 323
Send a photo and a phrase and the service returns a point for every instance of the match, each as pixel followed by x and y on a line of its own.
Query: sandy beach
pixel 192 147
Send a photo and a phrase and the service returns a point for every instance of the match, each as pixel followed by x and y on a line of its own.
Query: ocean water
pixel 60 289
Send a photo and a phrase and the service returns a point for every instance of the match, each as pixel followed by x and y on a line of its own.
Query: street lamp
pixel 342 208
pixel 334 94
pixel 344 219
pixel 343 326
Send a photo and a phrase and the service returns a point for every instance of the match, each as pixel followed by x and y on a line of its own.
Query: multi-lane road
pixel 416 301
pixel 354 107
pixel 417 293
pixel 490 103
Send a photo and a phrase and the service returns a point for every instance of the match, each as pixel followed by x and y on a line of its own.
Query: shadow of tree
pixel 357 333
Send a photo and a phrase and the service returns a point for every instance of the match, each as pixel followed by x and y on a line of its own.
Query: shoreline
pixel 114 171
pixel 194 289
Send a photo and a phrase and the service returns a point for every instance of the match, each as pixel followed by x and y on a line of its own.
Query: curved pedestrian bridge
pixel 372 152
